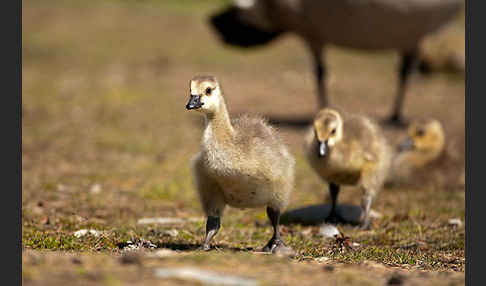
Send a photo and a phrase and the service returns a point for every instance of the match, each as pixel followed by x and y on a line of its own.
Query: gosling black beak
pixel 323 148
pixel 194 102
pixel 406 145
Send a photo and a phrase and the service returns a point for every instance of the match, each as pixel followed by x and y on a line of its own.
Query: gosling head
pixel 424 136
pixel 328 129
pixel 205 94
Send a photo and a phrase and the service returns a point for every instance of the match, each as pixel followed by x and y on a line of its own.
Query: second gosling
pixel 348 149
pixel 243 163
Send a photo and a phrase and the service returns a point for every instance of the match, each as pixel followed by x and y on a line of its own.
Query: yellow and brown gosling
pixel 348 149
pixel 243 162
pixel 423 157
pixel 424 144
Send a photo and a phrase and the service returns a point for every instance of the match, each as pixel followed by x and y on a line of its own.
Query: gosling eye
pixel 333 132
pixel 420 132
pixel 208 91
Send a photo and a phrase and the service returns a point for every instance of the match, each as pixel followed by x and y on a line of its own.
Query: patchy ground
pixel 106 142
pixel 48 268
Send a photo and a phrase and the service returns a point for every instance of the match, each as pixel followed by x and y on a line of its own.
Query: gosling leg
pixel 366 201
pixel 213 224
pixel 275 242
pixel 334 216
pixel 409 63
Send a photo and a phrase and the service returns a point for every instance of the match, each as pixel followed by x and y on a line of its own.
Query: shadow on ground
pixel 316 214
pixel 193 247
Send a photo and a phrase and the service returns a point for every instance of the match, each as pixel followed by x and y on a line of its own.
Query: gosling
pixel 424 144
pixel 243 163
pixel 423 157
pixel 348 149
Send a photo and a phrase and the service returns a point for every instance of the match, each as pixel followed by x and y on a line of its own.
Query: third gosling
pixel 424 157
pixel 425 143
pixel 243 163
pixel 348 149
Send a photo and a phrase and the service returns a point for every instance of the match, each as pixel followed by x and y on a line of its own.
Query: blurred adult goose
pixel 361 24
pixel 242 163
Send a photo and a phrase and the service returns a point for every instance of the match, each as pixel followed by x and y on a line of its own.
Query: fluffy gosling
pixel 424 144
pixel 423 157
pixel 242 163
pixel 348 149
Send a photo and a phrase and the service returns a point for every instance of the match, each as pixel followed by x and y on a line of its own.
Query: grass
pixel 106 141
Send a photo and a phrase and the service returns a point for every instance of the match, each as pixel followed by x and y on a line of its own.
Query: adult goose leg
pixel 408 64
pixel 320 73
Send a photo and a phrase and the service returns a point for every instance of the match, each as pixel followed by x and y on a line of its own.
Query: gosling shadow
pixel 316 214
pixel 196 247
pixel 179 246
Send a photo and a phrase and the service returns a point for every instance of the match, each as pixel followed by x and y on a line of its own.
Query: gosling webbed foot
pixel 213 224
pixel 365 225
pixel 365 220
pixel 273 244
pixel 277 246
pixel 208 247
pixel 205 247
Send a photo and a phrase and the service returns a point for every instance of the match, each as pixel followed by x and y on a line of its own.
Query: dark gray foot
pixel 209 248
pixel 273 244
pixel 278 247
pixel 213 224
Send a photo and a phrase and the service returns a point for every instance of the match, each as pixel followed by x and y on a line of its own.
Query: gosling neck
pixel 219 123
pixel 423 157
pixel 432 154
